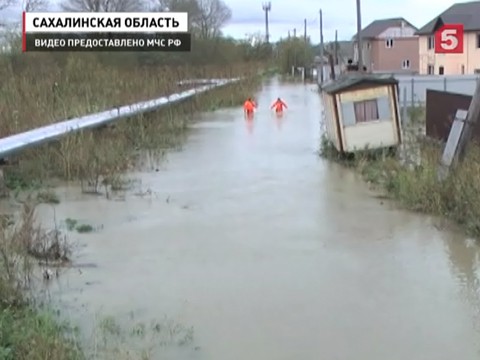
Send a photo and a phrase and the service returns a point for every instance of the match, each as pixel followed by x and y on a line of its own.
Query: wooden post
pixel 322 64
pixel 473 118
pixel 336 47
pixel 450 152
pixel 359 37
pixel 305 30
pixel 332 66
pixel 460 134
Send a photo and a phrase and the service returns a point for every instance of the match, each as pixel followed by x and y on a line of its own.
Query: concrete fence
pixel 413 89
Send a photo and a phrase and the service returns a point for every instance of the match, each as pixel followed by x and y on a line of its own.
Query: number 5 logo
pixel 449 39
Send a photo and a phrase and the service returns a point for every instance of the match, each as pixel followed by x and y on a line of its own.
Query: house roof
pixel 376 27
pixel 467 13
pixel 352 79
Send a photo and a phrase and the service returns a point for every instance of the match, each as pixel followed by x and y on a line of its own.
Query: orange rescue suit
pixel 279 105
pixel 248 106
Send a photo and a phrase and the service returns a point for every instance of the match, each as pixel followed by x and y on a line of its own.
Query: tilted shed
pixel 361 111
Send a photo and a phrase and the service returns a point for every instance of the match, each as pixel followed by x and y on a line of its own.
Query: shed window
pixel 348 113
pixel 366 111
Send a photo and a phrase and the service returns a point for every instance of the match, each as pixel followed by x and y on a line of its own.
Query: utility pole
pixel 321 48
pixel 288 34
pixel 359 37
pixel 267 6
pixel 295 50
pixel 305 48
pixel 305 30
pixel 336 47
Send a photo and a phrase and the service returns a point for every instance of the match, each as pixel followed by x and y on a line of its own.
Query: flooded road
pixel 271 253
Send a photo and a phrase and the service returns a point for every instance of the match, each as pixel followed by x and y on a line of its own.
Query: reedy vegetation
pixel 44 88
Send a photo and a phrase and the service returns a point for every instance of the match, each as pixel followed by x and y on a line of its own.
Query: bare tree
pixel 6 3
pixel 206 17
pixel 214 14
pixel 189 6
pixel 35 5
pixel 103 5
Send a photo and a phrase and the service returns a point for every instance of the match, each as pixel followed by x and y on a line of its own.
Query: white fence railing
pixel 14 143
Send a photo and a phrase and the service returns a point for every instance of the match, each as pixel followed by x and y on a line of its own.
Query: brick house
pixel 389 45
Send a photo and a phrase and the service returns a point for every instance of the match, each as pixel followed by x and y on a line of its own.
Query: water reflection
pixel 249 123
pixel 279 120
pixel 463 254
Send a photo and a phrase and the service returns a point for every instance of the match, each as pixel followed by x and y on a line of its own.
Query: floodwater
pixel 271 253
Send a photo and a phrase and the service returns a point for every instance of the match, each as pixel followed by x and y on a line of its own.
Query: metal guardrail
pixel 199 81
pixel 11 144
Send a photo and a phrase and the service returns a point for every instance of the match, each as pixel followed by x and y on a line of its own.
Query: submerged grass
pixel 416 186
pixel 29 330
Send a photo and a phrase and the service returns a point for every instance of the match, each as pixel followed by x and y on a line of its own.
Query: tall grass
pixel 44 88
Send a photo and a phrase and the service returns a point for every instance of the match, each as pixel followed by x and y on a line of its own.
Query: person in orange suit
pixel 279 105
pixel 249 106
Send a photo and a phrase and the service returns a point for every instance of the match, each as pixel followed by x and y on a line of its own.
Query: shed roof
pixel 467 13
pixel 349 80
pixel 375 28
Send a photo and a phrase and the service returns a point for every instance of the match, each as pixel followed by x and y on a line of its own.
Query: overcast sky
pixel 248 16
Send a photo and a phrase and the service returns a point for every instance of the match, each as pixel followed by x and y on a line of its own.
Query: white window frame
pixel 433 69
pixel 431 42
pixel 406 64
pixel 389 43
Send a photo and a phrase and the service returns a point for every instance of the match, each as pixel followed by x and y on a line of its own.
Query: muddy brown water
pixel 271 253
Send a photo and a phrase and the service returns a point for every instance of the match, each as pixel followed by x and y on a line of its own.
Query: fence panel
pixel 415 86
